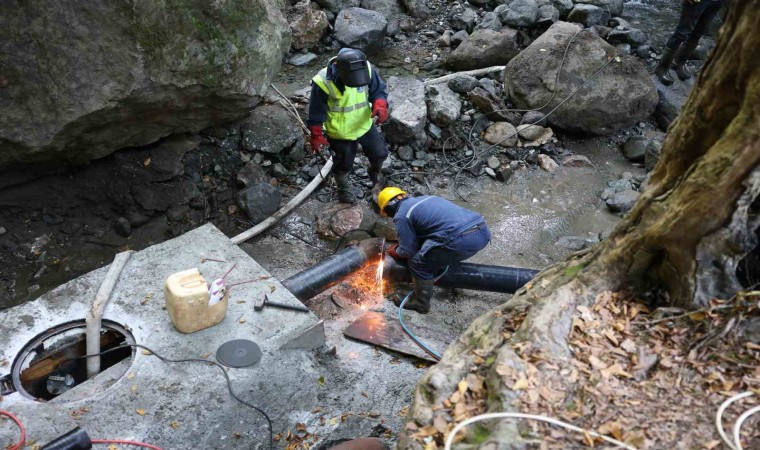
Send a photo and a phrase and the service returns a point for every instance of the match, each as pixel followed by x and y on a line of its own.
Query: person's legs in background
pixel 344 154
pixel 690 13
pixel 375 148
pixel 708 12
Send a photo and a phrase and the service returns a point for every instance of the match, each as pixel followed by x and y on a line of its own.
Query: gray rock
pixel 563 6
pixel 419 163
pixel 490 172
pixel 3 230
pixel 615 7
pixel 385 228
pixel 443 105
pixel 546 163
pixel 577 161
pixel 490 21
pixel 123 227
pixel 307 27
pixel 586 15
pixel 170 194
pixel 361 28
pixel 478 2
pixel 416 8
pixel 484 48
pixel 623 201
pixel 623 93
pixel 85 80
pixel 301 59
pixel 493 162
pixel 547 15
pixel 505 173
pixel 444 40
pixel 464 21
pixel 574 243
pixel 607 193
pixel 406 122
pixel 406 153
pixel 633 36
pixel 259 201
pixel 624 49
pixel 493 107
pixel 670 101
pixel 251 174
pixel 530 132
pixel 279 171
pixel 635 148
pixel 620 185
pixel 599 3
pixel 463 84
pixel 652 154
pixel 459 37
pixel 435 131
pixel 389 8
pixel 644 51
pixel 534 117
pixel 501 133
pixel 619 23
pixel 270 129
pixel 519 13
pixel 488 85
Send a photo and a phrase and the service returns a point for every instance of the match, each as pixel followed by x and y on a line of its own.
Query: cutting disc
pixel 238 353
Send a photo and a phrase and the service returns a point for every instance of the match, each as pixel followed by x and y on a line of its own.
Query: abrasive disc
pixel 238 353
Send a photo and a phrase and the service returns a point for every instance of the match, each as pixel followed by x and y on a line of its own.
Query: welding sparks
pixel 379 276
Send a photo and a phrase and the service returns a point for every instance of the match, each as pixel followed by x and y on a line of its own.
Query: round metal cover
pixel 238 353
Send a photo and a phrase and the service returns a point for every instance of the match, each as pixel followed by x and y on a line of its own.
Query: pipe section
pixel 326 274
pixel 478 277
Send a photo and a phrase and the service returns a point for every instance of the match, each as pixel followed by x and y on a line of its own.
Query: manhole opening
pixel 51 364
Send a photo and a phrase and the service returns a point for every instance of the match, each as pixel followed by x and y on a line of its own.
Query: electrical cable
pixel 736 444
pixel 411 335
pixel 22 439
pixel 125 442
pixel 200 360
pixel 510 415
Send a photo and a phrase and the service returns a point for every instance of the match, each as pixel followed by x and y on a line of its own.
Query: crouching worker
pixel 432 233
pixel 345 97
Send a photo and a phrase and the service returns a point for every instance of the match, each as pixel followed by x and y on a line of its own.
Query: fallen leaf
pixel 112 447
pixel 131 375
pixel 316 410
pixel 321 380
pixel 174 424
pixel 440 424
pixel 628 345
pixel 145 352
pixel 333 421
pixel 522 383
pixel 596 363
pixel 236 434
pixel 462 387
pixel 141 411
pixel 146 163
pixel 133 388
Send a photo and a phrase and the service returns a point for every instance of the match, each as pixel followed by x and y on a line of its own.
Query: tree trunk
pixel 685 235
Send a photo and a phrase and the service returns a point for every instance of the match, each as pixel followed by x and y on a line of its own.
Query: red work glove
pixel 380 110
pixel 393 251
pixel 318 140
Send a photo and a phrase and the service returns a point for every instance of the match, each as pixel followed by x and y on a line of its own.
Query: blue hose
pixel 411 335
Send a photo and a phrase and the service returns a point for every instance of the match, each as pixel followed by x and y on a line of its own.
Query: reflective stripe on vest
pixel 348 114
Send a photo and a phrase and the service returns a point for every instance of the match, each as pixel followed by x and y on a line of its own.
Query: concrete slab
pixel 181 406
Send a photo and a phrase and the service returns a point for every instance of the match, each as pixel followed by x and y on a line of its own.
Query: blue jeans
pixel 693 23
pixel 433 257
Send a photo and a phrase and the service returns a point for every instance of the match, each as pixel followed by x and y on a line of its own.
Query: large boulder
pixel 83 79
pixel 670 101
pixel 588 15
pixel 388 8
pixel 465 21
pixel 270 129
pixel 417 8
pixel 406 98
pixel 620 95
pixel 335 6
pixel 443 105
pixel 484 48
pixel 307 26
pixel 259 201
pixel 361 28
pixel 520 13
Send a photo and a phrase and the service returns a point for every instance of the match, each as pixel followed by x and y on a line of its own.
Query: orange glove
pixel 318 140
pixel 380 110
pixel 393 251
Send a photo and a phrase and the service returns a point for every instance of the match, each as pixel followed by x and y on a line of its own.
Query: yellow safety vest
pixel 349 115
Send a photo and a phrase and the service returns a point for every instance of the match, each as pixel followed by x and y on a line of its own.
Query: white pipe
pixel 719 417
pixel 285 210
pixel 467 72
pixel 95 314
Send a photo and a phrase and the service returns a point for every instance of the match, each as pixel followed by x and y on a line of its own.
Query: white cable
pixel 738 425
pixel 506 415
pixel 719 418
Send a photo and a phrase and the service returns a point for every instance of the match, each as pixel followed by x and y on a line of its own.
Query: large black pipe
pixel 478 277
pixel 326 274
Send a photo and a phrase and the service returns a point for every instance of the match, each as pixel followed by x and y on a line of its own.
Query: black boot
pixel 682 56
pixel 376 176
pixel 663 68
pixel 420 301
pixel 345 190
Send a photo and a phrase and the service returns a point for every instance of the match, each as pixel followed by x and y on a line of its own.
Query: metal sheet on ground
pixel 378 329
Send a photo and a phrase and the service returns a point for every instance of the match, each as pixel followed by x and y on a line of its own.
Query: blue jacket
pixel 318 98
pixel 430 218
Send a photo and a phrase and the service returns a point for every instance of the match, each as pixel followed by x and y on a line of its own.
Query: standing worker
pixel 345 96
pixel 696 16
pixel 432 233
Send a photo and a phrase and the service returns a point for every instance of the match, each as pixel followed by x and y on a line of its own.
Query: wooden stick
pixel 95 314
pixel 467 72
pixel 285 210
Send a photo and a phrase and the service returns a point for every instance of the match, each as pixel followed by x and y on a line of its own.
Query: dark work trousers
pixel 433 257
pixel 695 18
pixel 372 143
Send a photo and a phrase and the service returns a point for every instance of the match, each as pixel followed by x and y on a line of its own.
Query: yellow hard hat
pixel 387 195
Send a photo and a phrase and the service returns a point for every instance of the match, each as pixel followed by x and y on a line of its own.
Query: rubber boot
pixel 682 56
pixel 376 176
pixel 345 190
pixel 420 301
pixel 663 67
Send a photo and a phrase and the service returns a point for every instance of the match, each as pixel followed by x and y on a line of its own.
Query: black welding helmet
pixel 352 67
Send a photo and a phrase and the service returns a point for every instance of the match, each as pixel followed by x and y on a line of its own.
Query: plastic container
pixel 187 302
